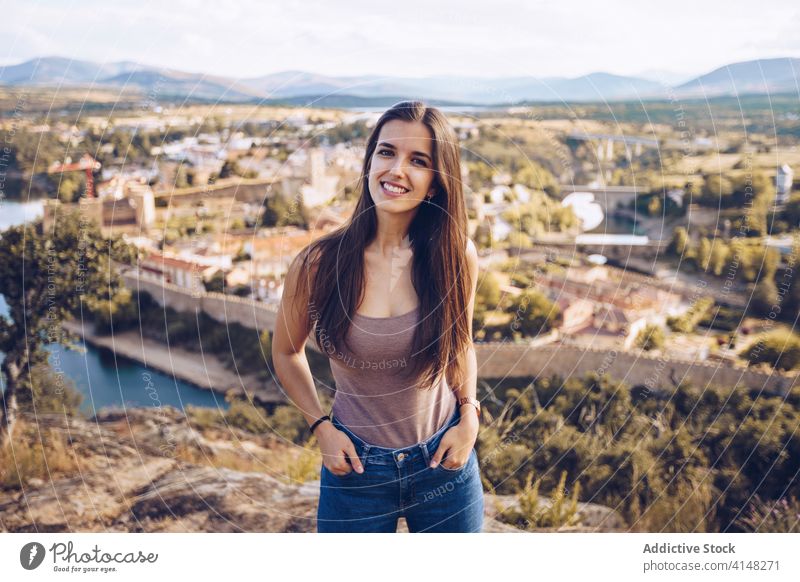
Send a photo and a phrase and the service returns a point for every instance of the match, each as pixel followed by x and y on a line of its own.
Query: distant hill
pixel 761 76
pixel 60 70
pixel 175 83
pixel 335 101
pixel 751 77
pixel 595 87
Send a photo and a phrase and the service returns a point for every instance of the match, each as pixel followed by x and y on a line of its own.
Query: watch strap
pixel 473 401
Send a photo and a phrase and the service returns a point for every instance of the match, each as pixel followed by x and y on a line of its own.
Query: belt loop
pixel 425 455
pixel 365 454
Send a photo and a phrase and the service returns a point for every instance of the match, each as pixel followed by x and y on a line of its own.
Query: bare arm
pixel 458 442
pixel 470 384
pixel 292 327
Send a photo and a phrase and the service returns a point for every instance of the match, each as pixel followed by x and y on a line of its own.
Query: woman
pixel 389 298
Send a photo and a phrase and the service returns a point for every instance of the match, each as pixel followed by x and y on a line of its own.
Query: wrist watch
pixel 473 401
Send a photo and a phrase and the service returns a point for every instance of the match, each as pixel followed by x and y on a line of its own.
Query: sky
pixel 249 38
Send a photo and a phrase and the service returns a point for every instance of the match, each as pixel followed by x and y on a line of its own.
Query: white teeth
pixel 394 189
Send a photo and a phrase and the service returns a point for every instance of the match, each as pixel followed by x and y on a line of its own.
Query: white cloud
pixel 498 38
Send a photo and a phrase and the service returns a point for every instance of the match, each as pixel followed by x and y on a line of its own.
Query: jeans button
pixel 401 456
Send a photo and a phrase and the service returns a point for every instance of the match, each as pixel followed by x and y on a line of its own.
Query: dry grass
pixel 30 455
pixel 562 511
pixel 688 509
pixel 291 465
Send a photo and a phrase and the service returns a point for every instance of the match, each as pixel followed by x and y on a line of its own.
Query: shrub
pixel 779 348
pixel 245 415
pixel 531 514
pixel 684 460
pixel 650 338
pixel 781 516
pixel 51 392
pixel 687 322
pixel 34 455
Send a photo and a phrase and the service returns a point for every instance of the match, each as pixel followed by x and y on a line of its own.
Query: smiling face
pixel 401 169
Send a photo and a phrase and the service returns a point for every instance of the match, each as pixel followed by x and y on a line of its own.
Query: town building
pixel 125 207
pixel 184 273
pixel 783 184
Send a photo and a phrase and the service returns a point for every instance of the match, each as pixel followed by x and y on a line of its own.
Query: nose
pixel 398 167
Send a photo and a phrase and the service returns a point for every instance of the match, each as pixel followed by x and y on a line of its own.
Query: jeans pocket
pixel 457 469
pixel 446 470
pixel 335 476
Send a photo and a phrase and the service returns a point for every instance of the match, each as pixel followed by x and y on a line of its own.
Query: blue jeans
pixel 400 482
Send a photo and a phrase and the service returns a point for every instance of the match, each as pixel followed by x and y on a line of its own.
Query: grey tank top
pixel 376 397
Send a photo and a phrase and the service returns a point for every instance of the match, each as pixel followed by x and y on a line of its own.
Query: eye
pixel 421 161
pixel 384 152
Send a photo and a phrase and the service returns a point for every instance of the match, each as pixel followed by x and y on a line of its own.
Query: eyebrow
pixel 388 145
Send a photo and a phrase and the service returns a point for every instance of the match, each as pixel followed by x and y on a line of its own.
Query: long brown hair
pixel 334 263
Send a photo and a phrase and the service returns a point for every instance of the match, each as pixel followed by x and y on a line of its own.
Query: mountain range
pixel 778 75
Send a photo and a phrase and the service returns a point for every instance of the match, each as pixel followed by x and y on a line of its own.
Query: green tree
pixel 483 236
pixel 779 348
pixel 650 338
pixel 654 206
pixel 480 173
pixel 279 212
pixel 703 254
pixel 542 214
pixel 296 214
pixel 533 313
pixel 43 278
pixel 719 256
pixel 275 207
pixel 536 177
pixel 692 317
pixel 70 189
pixel 755 261
pixel 519 240
pixel 228 169
pixel 217 283
pixel 717 191
pixel 488 292
pixel 112 313
pixel 51 392
pixel 764 198
pixel 765 295
pixel 679 242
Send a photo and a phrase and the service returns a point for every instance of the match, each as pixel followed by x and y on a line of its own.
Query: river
pixel 103 378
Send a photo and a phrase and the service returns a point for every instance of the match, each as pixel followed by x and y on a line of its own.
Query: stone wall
pixel 224 308
pixel 505 359
pixel 499 360
pixel 253 191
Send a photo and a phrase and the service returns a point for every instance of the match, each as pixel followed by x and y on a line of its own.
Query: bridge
pixel 605 143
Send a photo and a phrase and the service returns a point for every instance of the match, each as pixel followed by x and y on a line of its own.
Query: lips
pixel 393 189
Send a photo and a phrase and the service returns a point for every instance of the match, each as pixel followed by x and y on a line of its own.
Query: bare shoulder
pixel 300 275
pixel 472 250
pixel 472 255
pixel 292 324
pixel 306 261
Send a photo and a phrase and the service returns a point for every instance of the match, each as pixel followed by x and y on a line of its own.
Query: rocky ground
pixel 142 470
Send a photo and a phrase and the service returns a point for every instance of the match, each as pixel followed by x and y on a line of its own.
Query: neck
pixel 392 234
